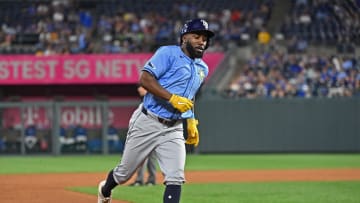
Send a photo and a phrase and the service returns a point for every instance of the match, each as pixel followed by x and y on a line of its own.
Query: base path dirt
pixel 45 188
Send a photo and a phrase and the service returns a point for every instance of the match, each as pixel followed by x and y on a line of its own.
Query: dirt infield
pixel 44 188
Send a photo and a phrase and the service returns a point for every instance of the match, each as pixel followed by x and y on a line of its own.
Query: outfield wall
pixel 226 126
pixel 286 125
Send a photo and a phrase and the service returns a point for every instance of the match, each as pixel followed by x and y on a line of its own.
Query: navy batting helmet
pixel 194 26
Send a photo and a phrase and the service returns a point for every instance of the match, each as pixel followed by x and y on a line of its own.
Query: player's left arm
pixel 193 137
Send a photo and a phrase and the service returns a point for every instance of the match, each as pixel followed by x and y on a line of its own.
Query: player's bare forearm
pixel 151 85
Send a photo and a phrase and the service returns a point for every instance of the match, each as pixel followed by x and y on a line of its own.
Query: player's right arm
pixel 148 81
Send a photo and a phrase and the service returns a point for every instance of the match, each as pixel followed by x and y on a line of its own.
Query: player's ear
pixel 184 39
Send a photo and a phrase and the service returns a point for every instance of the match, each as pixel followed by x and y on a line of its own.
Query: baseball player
pixel 172 76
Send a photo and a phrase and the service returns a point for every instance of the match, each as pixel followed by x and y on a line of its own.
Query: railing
pixel 64 127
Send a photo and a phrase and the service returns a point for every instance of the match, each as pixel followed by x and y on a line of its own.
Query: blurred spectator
pixel 114 142
pixel 296 45
pixel 67 142
pixel 85 19
pixel 113 134
pixel 31 139
pixel 81 137
pixel 263 36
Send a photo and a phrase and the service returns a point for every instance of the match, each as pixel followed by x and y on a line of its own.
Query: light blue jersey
pixel 178 74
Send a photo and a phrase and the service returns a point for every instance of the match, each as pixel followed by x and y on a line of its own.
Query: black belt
pixel 169 123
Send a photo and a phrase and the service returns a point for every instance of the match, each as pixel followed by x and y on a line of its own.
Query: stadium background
pixel 284 79
pixel 295 59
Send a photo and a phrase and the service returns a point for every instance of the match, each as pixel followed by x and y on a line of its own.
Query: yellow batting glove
pixel 181 103
pixel 193 133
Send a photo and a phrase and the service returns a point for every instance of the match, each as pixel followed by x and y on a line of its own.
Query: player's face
pixel 195 44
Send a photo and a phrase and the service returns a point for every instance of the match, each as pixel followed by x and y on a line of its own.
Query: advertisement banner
pixel 79 69
pixel 70 116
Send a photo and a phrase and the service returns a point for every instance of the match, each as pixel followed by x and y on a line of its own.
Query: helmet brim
pixel 208 33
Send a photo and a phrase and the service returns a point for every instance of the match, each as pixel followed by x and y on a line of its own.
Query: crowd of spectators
pixel 280 74
pixel 323 22
pixel 113 26
pixel 293 72
pixel 47 27
pixel 50 27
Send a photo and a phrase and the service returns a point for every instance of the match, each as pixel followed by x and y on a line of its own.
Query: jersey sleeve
pixel 158 64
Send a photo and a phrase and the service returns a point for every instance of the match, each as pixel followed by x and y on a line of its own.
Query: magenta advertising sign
pixel 79 69
pixel 89 117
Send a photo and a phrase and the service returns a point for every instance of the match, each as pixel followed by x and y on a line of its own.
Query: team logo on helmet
pixel 205 24
pixel 184 28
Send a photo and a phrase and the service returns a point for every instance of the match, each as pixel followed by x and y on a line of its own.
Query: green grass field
pixel 279 192
pixel 266 192
pixel 60 164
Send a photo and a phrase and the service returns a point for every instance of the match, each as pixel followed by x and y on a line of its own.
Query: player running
pixel 171 77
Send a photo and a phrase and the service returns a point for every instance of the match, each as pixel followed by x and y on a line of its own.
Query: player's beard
pixel 193 52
